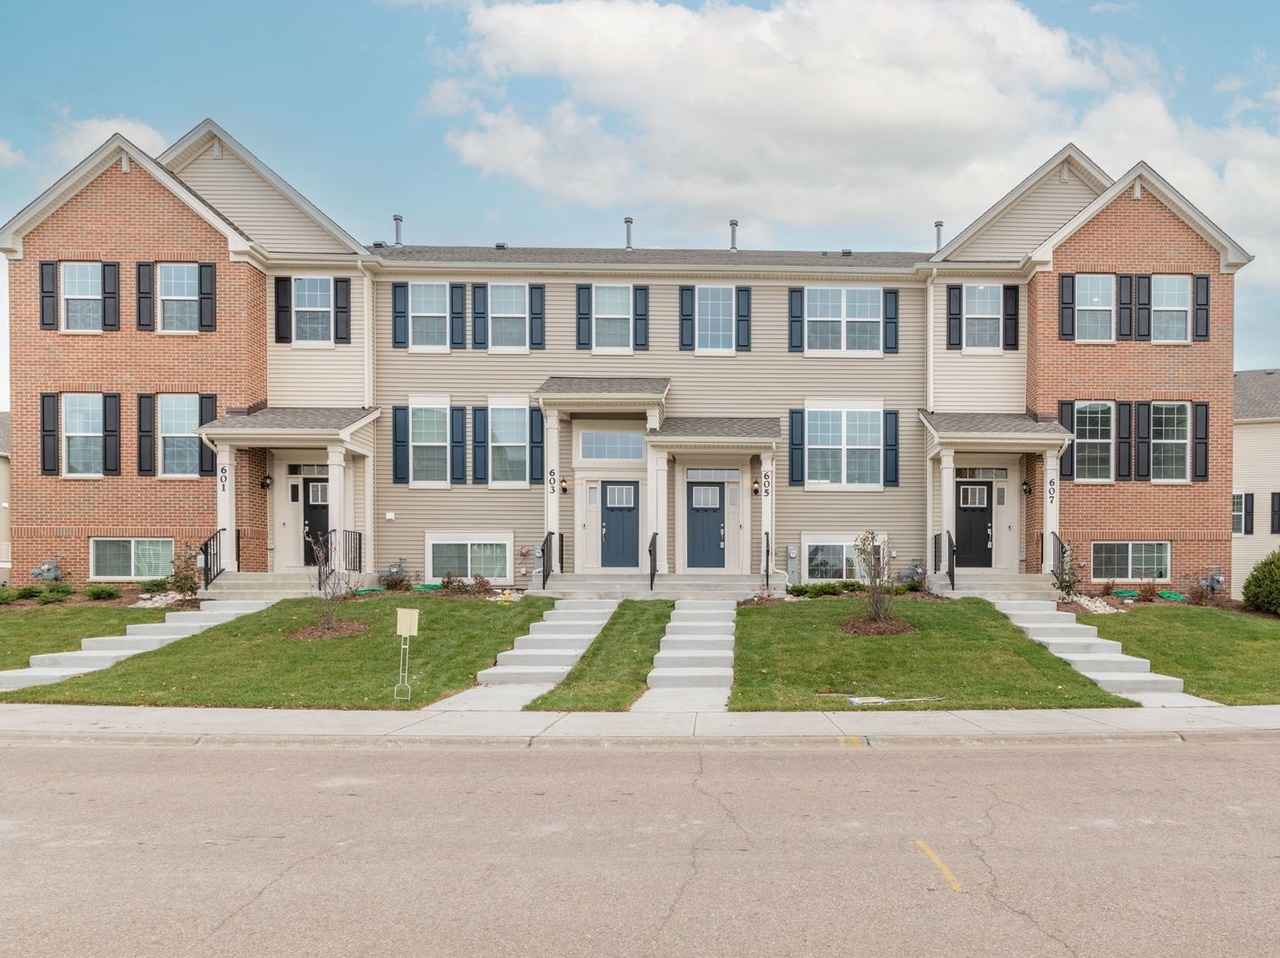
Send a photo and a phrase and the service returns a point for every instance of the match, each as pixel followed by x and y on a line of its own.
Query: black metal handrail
pixel 937 553
pixel 546 557
pixel 653 559
pixel 768 558
pixel 951 561
pixel 322 548
pixel 211 557
pixel 1059 554
pixel 353 550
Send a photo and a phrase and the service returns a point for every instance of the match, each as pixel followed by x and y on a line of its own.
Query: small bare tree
pixel 877 565
pixel 334 580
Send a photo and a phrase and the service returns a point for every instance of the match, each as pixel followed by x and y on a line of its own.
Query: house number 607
pixel 1053 490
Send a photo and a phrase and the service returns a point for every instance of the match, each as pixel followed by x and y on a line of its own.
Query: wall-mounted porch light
pixel 755 487
pixel 564 487
pixel 1026 488
pixel 266 482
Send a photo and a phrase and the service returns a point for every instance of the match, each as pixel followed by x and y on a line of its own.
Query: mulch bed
pixel 1116 602
pixel 340 630
pixel 128 596
pixel 863 625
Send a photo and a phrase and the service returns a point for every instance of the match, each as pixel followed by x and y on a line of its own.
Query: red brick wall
pixel 1140 236
pixel 126 218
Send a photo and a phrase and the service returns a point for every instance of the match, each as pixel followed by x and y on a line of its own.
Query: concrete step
pixel 1005 595
pixel 1012 607
pixel 83 661
pixel 554 641
pixel 667 678
pixel 522 675
pixel 706 605
pixel 594 616
pixel 566 628
pixel 522 657
pixel 238 608
pixel 696 643
pixel 200 618
pixel 163 628
pixel 1041 618
pixel 135 643
pixel 1065 631
pixel 24 678
pixel 252 595
pixel 576 605
pixel 724 627
pixel 1062 647
pixel 701 616
pixel 1122 683
pixel 1086 662
pixel 690 659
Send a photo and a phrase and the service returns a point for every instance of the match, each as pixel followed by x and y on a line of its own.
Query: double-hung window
pixel 843 320
pixel 715 319
pixel 844 447
pixel 1095 429
pixel 508 316
pixel 509 444
pixel 82 433
pixel 611 309
pixel 429 315
pixel 1237 513
pixel 130 558
pixel 1170 307
pixel 1170 434
pixel 429 443
pixel 1095 308
pixel 82 297
pixel 982 316
pixel 1130 560
pixel 179 445
pixel 312 309
pixel 179 297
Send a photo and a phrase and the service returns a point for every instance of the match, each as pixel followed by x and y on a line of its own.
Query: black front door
pixel 706 525
pixel 620 525
pixel 315 516
pixel 973 524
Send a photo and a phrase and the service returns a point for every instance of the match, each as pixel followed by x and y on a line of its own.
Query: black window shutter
pixel 400 444
pixel 1124 441
pixel 457 316
pixel 480 445
pixel 742 312
pixel 479 316
pixel 111 434
pixel 537 453
pixel 795 461
pixel 399 315
pixel 1200 441
pixel 208 297
pixel 111 298
pixel 1011 317
pixel 687 333
pixel 640 317
pixel 1067 306
pixel 1124 306
pixel 890 320
pixel 891 447
pixel 1067 417
pixel 49 299
pixel 457 444
pixel 1142 321
pixel 537 316
pixel 1248 513
pixel 342 311
pixel 208 413
pixel 284 309
pixel 48 434
pixel 1275 513
pixel 1200 331
pixel 1142 444
pixel 146 273
pixel 146 434
pixel 583 300
pixel 795 320
pixel 955 317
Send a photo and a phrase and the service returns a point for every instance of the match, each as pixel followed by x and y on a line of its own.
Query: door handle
pixel 604 531
pixel 988 535
pixel 722 535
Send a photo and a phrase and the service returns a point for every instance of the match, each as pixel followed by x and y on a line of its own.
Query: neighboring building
pixel 1255 494
pixel 6 565
pixel 1061 368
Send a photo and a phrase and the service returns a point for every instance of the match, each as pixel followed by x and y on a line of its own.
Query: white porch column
pixel 1052 493
pixel 227 506
pixel 551 495
pixel 339 516
pixel 766 507
pixel 658 496
pixel 948 480
pixel 929 523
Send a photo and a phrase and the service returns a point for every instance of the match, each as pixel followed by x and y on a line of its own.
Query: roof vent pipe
pixel 937 225
pixel 399 220
pixel 628 221
pixel 733 236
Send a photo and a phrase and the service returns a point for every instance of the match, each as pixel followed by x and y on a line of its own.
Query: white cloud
pixel 9 157
pixel 75 139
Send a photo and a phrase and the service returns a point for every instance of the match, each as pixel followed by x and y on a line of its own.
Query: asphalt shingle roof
pixel 711 427
pixel 1258 394
pixel 602 385
pixel 554 256
pixel 292 418
pixel 986 423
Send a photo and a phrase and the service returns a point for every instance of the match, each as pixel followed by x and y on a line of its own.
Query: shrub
pixel 397 581
pixel 154 585
pixel 186 577
pixel 59 588
pixel 1262 587
pixel 1148 590
pixel 452 583
pixel 100 592
pixel 481 586
pixel 29 591
pixel 48 597
pixel 1067 579
pixel 7 595
pixel 1109 587
pixel 1198 595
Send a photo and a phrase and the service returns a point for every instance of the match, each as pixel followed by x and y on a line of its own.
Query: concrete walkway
pixel 193 726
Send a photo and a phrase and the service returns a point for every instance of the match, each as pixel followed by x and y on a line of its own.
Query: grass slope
pixel 35 630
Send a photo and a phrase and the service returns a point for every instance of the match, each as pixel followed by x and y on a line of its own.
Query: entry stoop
pixel 996 586
pixel 259 587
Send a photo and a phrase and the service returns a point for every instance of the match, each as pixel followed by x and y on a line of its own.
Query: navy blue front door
pixel 706 525
pixel 620 524
pixel 973 524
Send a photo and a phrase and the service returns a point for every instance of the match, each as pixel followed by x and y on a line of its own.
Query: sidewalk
pixel 191 726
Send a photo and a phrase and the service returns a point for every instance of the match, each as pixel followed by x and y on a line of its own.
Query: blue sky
pixel 816 123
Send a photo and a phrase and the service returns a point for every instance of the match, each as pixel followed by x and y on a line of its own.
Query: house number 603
pixel 551 482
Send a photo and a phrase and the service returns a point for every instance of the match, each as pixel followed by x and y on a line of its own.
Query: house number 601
pixel 223 475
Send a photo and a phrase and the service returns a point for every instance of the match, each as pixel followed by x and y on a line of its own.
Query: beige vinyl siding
pixel 1030 221
pixel 4 513
pixel 312 376
pixel 978 382
pixel 1257 470
pixel 257 207
pixel 768 381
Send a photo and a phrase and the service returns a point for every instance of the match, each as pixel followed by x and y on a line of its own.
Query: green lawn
pixel 1226 657
pixel 252 661
pixel 35 630
pixel 965 651
pixel 611 674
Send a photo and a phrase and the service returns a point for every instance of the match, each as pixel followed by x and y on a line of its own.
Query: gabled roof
pixel 618 256
pixel 116 149
pixel 206 131
pixel 1070 154
pixel 1142 176
pixel 1257 394
pixel 602 386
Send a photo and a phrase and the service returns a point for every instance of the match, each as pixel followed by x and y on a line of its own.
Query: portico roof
pixel 617 393
pixel 993 432
pixel 290 426
pixel 717 431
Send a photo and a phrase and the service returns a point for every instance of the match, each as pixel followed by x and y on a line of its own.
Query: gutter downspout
pixel 928 338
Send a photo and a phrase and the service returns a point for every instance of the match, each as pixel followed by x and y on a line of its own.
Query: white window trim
pixel 509 402
pixel 132 540
pixel 161 435
pixel 470 538
pixel 431 402
pixel 63 297
pixel 294 309
pixel 1190 310
pixel 161 299
pixel 511 350
pixel 1111 443
pixel 845 405
pixel 1130 543
pixel 1185 443
pixel 731 349
pixel 423 347
pixel 842 320
pixel 997 350
pixel 1234 513
pixel 63 435
pixel 808 539
pixel 1112 309
pixel 581 461
pixel 629 349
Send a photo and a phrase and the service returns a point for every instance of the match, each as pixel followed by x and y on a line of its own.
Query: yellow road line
pixel 924 847
pixel 854 740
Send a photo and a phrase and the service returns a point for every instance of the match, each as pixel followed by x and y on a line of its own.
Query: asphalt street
pixel 688 849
